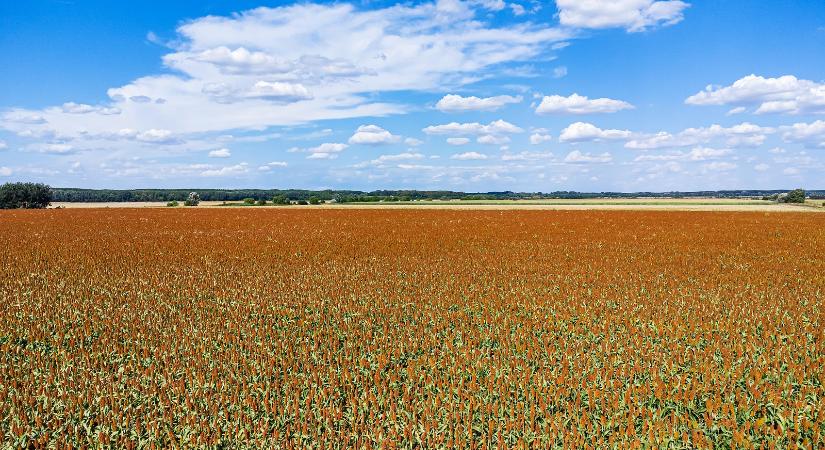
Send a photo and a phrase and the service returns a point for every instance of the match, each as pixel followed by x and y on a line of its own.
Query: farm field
pixel 400 328
pixel 673 204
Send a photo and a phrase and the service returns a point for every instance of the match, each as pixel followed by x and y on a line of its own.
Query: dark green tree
pixel 314 200
pixel 193 200
pixel 795 196
pixel 25 195
pixel 280 199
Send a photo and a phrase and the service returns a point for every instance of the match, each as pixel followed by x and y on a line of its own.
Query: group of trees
pixel 281 199
pixel 794 196
pixel 194 199
pixel 25 195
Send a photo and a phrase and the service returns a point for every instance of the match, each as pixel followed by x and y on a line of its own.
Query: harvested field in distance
pixel 388 328
pixel 650 204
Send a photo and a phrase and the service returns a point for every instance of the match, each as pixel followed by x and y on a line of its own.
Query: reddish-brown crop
pixel 411 329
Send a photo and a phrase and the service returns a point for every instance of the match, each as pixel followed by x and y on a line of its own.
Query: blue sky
pixel 486 95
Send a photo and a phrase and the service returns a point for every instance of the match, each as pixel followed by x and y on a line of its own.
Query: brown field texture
pixel 336 328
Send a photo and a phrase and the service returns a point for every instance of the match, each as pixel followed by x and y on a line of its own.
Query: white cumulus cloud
pixel 287 92
pixel 82 108
pixel 457 103
pixel 579 104
pixel 237 169
pixel 784 95
pixel 497 127
pixel 632 15
pixel 719 166
pixel 458 141
pixel 272 165
pixel 466 156
pixel 742 135
pixel 220 153
pixel 576 156
pixel 489 139
pixel 373 135
pixel 540 138
pixel 583 131
pixel 810 134
pixel 527 156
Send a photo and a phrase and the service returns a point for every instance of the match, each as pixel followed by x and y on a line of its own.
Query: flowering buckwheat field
pixel 285 328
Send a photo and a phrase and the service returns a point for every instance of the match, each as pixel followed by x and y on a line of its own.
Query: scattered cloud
pixel 237 169
pixel 153 135
pixel 400 157
pixel 322 155
pixel 583 131
pixel 385 160
pixel 82 108
pixel 373 135
pixel 467 156
pixel 719 166
pixel 579 104
pixel 632 15
pixel 272 165
pixel 22 117
pixel 413 142
pixel 742 135
pixel 279 91
pixel 810 134
pixel 328 147
pixel 577 156
pixel 518 9
pixel 497 127
pixel 527 156
pixel 783 95
pixel 5 171
pixel 540 138
pixel 696 154
pixel 704 153
pixel 327 150
pixel 458 141
pixel 52 148
pixel 220 153
pixel 560 72
pixel 489 139
pixel 761 167
pixel 457 103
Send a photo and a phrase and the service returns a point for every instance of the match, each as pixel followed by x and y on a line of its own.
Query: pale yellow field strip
pixel 589 204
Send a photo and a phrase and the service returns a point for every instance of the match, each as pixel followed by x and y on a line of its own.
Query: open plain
pixel 392 328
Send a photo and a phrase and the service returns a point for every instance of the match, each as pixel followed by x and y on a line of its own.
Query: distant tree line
pixel 282 196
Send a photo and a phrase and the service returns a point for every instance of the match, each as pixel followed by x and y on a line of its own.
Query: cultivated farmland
pixel 355 328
